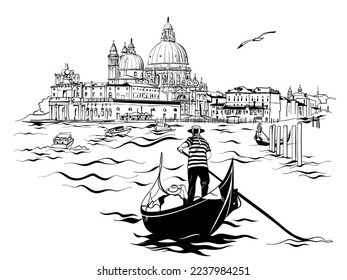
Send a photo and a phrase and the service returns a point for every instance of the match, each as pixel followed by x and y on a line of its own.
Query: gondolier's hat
pixel 196 127
pixel 174 189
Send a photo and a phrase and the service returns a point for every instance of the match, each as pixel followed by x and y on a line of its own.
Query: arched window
pixel 130 109
pixel 110 112
pixel 102 111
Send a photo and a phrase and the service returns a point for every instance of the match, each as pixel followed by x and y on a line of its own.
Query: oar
pixel 265 135
pixel 259 209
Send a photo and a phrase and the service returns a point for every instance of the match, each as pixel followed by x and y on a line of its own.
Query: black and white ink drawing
pixel 159 108
pixel 174 138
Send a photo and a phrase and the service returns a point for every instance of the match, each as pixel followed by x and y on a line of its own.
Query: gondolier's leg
pixel 204 180
pixel 192 176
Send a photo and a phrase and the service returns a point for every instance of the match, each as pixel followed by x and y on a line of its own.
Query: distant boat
pixel 203 216
pixel 118 130
pixel 63 140
pixel 162 126
pixel 266 142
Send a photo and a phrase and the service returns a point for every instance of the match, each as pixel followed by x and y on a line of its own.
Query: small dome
pixel 168 25
pixel 131 62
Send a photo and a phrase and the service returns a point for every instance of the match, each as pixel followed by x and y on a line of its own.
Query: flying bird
pixel 256 39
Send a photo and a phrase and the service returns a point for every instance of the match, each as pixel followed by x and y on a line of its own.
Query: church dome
pixel 168 51
pixel 129 59
pixel 131 62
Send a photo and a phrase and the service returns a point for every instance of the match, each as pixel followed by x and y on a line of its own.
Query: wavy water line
pixel 246 128
pixel 129 220
pixel 29 133
pixel 222 130
pixel 29 150
pixel 235 159
pixel 119 214
pixel 173 168
pixel 40 154
pixel 53 158
pixel 305 172
pixel 96 191
pixel 230 224
pixel 29 159
pixel 147 145
pixel 241 156
pixel 177 177
pixel 315 239
pixel 246 219
pixel 101 161
pixel 230 141
pixel 147 171
pixel 315 177
pixel 83 177
pixel 141 184
pixel 190 244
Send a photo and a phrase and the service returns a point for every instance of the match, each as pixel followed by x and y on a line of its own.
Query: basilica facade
pixel 164 89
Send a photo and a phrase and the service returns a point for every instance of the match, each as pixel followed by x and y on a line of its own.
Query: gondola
pixel 118 130
pixel 266 142
pixel 203 216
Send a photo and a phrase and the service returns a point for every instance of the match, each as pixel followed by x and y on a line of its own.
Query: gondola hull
pixel 203 216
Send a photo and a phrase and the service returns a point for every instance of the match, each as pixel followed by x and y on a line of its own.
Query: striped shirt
pixel 198 147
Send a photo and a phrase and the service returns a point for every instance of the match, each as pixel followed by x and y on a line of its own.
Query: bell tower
pixel 113 64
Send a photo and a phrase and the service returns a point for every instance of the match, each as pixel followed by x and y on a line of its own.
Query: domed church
pixel 168 68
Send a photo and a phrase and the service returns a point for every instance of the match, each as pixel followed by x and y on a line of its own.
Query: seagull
pixel 256 39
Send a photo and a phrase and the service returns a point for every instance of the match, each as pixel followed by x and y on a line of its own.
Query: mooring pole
pixel 285 141
pixel 278 141
pixel 299 145
pixel 293 142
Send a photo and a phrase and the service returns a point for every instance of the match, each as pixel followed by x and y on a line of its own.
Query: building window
pixel 130 109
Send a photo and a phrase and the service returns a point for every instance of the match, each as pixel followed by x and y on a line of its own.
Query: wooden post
pixel 278 140
pixel 299 145
pixel 272 137
pixel 293 142
pixel 285 141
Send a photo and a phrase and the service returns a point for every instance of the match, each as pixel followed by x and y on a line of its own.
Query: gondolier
pixel 259 130
pixel 199 153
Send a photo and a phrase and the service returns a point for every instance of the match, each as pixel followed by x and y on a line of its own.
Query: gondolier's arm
pixel 182 147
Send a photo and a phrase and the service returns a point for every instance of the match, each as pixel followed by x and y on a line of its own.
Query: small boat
pixel 63 140
pixel 203 216
pixel 118 130
pixel 162 126
pixel 266 142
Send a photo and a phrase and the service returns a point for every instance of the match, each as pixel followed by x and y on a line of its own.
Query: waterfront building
pixel 299 104
pixel 216 105
pixel 251 105
pixel 164 89
pixel 72 100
